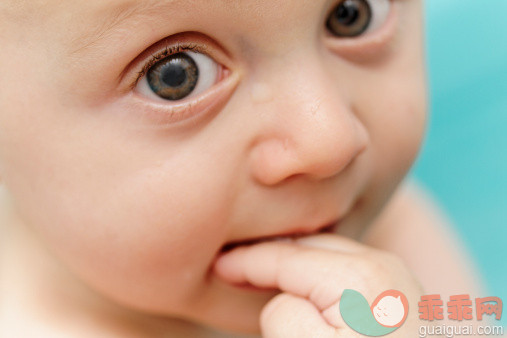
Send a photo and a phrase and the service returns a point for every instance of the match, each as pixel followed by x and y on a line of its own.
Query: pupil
pixel 347 13
pixel 350 18
pixel 174 75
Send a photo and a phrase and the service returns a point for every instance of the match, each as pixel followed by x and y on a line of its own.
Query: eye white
pixel 380 11
pixel 208 75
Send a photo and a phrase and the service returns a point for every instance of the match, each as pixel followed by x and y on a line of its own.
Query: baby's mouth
pixel 328 228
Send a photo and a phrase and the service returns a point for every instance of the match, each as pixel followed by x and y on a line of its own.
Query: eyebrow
pixel 117 14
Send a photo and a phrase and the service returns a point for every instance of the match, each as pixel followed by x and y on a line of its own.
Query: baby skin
pixel 192 168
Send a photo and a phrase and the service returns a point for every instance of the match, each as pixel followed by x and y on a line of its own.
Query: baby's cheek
pixel 157 232
pixel 399 130
pixel 138 225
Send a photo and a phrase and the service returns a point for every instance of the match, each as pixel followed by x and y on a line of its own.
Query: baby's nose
pixel 309 130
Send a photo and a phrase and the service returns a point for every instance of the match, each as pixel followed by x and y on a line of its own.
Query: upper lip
pixel 295 232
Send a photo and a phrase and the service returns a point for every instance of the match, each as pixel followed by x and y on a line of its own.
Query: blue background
pixel 464 158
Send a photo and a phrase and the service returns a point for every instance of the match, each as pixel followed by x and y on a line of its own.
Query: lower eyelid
pixel 155 114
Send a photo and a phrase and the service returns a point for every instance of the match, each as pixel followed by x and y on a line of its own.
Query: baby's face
pixel 140 137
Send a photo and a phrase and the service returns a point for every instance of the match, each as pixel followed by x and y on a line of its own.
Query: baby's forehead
pixel 91 26
pixel 89 11
pixel 96 18
pixel 27 8
pixel 79 23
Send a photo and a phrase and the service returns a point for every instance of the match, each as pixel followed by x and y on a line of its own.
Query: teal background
pixel 464 158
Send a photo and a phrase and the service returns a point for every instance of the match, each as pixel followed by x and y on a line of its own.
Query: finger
pixel 312 273
pixel 332 242
pixel 287 315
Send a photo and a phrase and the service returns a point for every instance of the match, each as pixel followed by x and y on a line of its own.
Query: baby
pixel 194 168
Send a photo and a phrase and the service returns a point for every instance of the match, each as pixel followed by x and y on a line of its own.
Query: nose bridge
pixel 316 107
pixel 308 126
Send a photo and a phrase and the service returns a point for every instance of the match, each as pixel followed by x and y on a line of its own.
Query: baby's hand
pixel 312 273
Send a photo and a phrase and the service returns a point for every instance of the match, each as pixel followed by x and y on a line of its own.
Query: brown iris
pixel 174 77
pixel 349 18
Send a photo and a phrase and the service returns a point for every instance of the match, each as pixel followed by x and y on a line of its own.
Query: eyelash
pixel 166 52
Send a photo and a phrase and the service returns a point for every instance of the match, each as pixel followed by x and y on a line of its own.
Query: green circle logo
pixel 386 314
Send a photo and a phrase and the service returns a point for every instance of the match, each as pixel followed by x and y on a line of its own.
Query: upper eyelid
pixel 165 53
pixel 367 34
pixel 188 41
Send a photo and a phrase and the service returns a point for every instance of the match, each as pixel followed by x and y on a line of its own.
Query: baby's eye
pixel 179 76
pixel 351 18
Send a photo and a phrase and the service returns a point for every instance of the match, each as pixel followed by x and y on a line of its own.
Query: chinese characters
pixel 459 307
